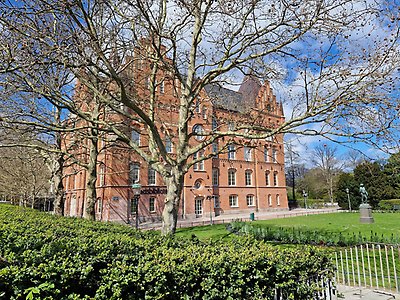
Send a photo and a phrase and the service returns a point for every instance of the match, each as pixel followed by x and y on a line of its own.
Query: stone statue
pixel 364 194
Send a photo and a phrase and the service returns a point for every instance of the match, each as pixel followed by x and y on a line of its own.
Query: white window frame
pixel 199 166
pixel 247 153
pixel 198 206
pixel 278 200
pixel 132 176
pixel 232 177
pixel 102 175
pixel 215 177
pixel 266 154
pixel 274 155
pixel 248 174
pixel 250 200
pixel 233 201
pixel 231 151
pixel 269 200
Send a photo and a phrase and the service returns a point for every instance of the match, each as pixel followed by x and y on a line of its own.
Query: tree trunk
pixel 170 213
pixel 91 194
pixel 57 171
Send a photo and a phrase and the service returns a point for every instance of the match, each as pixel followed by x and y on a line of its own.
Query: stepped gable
pixel 250 88
pixel 224 98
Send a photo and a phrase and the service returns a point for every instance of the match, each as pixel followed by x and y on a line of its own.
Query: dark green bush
pixel 389 204
pixel 48 257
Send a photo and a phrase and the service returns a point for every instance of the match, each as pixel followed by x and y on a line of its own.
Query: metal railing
pixel 370 266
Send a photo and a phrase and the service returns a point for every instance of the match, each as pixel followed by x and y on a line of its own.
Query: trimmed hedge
pixel 48 257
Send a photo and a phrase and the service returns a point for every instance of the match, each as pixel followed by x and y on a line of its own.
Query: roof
pixel 224 98
pixel 241 100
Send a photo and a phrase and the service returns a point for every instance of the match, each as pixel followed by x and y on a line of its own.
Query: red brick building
pixel 248 176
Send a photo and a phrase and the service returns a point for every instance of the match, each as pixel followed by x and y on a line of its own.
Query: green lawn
pixel 385 223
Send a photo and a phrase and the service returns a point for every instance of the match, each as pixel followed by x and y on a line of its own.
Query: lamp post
pixel 305 195
pixel 348 198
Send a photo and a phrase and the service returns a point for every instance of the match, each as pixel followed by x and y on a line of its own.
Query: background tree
pixel 347 181
pixel 293 168
pixel 325 158
pixel 200 43
pixel 375 181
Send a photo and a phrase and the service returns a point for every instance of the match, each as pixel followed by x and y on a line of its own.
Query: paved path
pixel 227 218
pixel 352 293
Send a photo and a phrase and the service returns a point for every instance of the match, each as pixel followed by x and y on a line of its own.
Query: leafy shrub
pixel 48 257
pixel 389 204
pixel 272 233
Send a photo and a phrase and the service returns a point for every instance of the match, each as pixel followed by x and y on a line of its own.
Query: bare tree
pixel 325 158
pixel 199 44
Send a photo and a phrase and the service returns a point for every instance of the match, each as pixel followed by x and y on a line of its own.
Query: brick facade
pixel 247 177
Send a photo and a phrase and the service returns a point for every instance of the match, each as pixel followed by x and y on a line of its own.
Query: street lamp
pixel 305 195
pixel 348 198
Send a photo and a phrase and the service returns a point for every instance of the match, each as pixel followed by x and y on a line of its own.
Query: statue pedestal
pixel 366 214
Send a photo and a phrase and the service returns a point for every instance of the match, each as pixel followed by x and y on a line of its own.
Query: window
pixel 152 204
pixel 250 200
pixel 269 200
pixel 231 151
pixel 275 178
pixel 204 113
pixel 215 148
pixel 266 155
pixel 102 176
pixel 274 153
pixel 231 177
pixel 134 173
pixel 198 132
pixel 215 175
pixel 134 205
pixel 247 154
pixel 278 200
pixel 267 178
pixel 231 126
pixel 216 201
pixel 168 144
pixel 162 87
pixel 99 205
pixel 151 179
pixel 233 201
pixel 135 137
pixel 214 124
pixel 198 206
pixel 247 177
pixel 199 166
pixel 197 106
